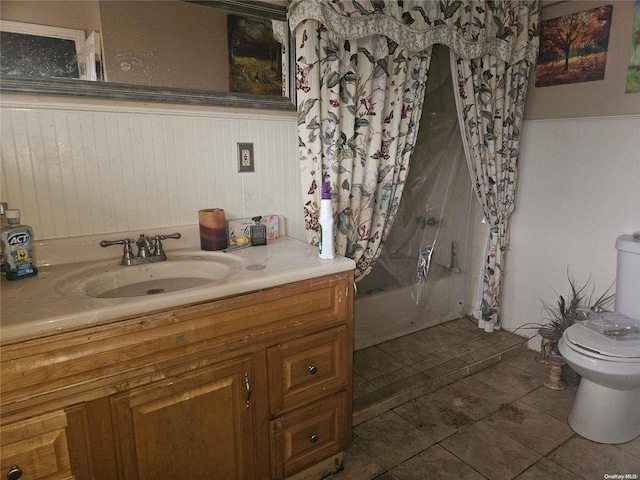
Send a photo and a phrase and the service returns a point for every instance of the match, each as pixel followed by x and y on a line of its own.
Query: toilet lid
pixel 610 334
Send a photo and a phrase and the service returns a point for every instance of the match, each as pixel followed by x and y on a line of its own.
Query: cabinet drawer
pixel 307 368
pixel 37 447
pixel 308 435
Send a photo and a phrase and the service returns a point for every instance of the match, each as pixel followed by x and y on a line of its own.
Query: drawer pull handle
pixel 313 437
pixel 248 387
pixel 313 369
pixel 14 473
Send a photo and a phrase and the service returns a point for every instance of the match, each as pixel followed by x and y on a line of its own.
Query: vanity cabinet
pixel 255 386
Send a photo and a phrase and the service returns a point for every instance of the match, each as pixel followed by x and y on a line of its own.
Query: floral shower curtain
pixel 341 136
pixel 359 102
pixel 491 96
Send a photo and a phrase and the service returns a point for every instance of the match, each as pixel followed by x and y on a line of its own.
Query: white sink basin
pixel 176 273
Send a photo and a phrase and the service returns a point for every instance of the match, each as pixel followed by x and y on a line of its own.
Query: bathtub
pixel 386 309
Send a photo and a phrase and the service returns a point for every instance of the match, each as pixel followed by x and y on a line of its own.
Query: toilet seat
pixel 591 343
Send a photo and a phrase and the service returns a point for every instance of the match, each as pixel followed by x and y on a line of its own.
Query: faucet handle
pixel 125 241
pixel 175 236
pixel 127 254
pixel 157 243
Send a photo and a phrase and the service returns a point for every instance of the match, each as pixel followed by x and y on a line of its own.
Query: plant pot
pixel 550 333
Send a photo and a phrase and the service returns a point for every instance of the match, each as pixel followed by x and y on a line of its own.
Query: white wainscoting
pixel 81 170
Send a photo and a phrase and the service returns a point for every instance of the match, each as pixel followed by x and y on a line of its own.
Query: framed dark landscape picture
pixel 255 56
pixel 573 48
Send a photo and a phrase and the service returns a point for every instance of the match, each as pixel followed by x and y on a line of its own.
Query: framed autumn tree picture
pixel 573 48
pixel 633 73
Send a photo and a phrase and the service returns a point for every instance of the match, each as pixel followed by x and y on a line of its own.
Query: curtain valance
pixel 507 29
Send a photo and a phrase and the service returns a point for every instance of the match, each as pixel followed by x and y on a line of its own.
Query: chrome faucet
pixel 149 249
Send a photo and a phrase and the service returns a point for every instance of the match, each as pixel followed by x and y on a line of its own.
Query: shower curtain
pixel 330 113
pixel 490 98
pixel 360 103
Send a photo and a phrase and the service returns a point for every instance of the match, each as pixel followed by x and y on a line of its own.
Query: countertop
pixel 47 304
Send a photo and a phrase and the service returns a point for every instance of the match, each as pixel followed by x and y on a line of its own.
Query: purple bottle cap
pixel 326 195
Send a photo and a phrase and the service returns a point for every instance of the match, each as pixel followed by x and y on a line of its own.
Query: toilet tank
pixel 628 275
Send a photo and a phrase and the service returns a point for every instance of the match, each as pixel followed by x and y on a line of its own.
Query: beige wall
pixel 173 44
pixel 597 98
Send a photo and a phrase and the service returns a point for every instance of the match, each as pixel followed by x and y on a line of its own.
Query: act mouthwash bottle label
pixel 17 251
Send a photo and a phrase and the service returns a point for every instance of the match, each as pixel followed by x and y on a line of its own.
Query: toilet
pixel 605 351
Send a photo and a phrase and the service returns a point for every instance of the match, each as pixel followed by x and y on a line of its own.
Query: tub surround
pixel 38 306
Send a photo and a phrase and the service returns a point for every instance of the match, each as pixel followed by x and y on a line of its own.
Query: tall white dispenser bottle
pixel 326 249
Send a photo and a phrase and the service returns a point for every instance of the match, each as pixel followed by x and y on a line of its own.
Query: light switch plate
pixel 245 157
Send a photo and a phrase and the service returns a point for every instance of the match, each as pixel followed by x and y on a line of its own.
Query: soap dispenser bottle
pixel 17 251
pixel 326 250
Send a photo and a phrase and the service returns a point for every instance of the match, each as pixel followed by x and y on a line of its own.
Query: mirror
pixel 217 52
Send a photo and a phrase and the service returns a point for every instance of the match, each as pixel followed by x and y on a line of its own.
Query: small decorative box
pixel 242 227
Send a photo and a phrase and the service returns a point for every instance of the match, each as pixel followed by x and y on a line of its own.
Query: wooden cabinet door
pixel 201 425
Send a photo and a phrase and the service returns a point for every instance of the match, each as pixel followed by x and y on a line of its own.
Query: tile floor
pixel 454 402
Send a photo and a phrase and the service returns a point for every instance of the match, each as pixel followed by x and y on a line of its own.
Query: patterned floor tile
pixel 595 460
pixel 466 327
pixel 434 361
pixel 445 368
pixel 433 416
pixel 361 386
pixel 372 362
pixel 546 469
pixel 555 403
pixel 472 397
pixel 509 379
pixel 495 424
pixel 422 345
pixel 527 361
pixel 390 439
pixel 358 466
pixel 435 463
pixel 533 428
pixel 393 377
pixel 632 447
pixel 490 452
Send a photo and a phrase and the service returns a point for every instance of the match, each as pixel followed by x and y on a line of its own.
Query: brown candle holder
pixel 213 231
